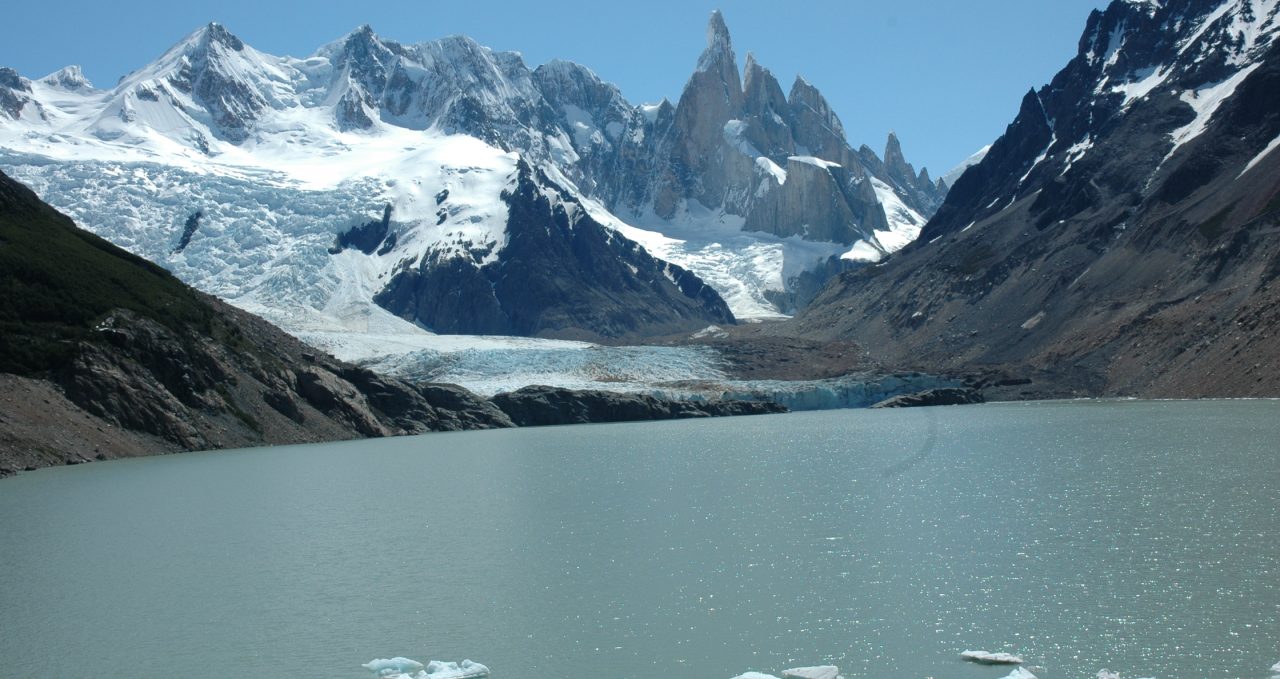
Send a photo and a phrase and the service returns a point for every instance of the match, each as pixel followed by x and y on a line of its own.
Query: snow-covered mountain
pixel 1149 79
pixel 1122 234
pixel 453 187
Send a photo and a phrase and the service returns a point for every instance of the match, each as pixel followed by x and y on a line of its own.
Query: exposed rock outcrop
pixel 953 396
pixel 208 73
pixel 601 284
pixel 538 406
pixel 1120 238
pixel 819 201
pixel 370 237
pixel 15 93
pixel 732 145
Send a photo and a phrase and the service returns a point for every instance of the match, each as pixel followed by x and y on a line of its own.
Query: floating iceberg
pixel 1020 673
pixel 1275 669
pixel 819 672
pixel 985 658
pixel 404 668
pixel 386 667
pixel 452 670
pixel 755 675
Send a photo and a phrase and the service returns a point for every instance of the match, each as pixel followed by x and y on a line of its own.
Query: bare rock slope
pixel 1121 238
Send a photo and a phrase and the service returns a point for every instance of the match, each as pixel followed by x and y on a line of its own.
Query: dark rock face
pixel 14 92
pixel 365 67
pixel 934 397
pixel 599 284
pixel 233 103
pixel 766 110
pixel 821 202
pixel 188 230
pixel 1114 237
pixel 461 408
pixel 196 393
pixel 539 406
pixel 816 127
pixel 369 237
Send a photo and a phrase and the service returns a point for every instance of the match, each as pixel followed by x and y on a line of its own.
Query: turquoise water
pixel 1136 536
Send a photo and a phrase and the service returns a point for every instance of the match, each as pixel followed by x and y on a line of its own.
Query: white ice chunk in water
pixel 404 668
pixel 452 670
pixel 985 658
pixel 755 675
pixel 1275 669
pixel 819 672
pixel 1020 673
pixel 385 667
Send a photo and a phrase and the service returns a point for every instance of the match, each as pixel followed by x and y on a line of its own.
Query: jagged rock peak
pixel 215 32
pixel 805 96
pixel 14 92
pixel 364 40
pixel 68 77
pixel 895 160
pixel 802 91
pixel 719 50
pixel 760 87
pixel 893 149
pixel 363 45
pixel 11 79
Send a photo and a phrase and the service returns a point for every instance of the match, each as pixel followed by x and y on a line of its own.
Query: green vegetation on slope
pixel 58 281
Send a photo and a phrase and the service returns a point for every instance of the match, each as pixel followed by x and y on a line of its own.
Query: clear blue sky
pixel 947 76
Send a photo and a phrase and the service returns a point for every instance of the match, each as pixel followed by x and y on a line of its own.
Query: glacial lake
pixel 1143 537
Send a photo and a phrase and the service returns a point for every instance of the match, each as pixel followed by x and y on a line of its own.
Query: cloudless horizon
pixel 947 77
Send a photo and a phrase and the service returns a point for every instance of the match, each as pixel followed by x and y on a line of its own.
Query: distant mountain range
pixel 488 197
pixel 1122 236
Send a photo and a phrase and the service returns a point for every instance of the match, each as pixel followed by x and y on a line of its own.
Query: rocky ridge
pixel 733 150
pixel 601 285
pixel 1120 238
pixel 537 406
pixel 782 163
